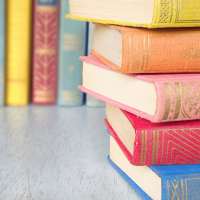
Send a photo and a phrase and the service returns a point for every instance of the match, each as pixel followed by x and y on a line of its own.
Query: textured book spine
pixel 166 13
pixel 18 51
pixel 163 146
pixel 184 186
pixel 90 100
pixel 45 51
pixel 168 51
pixel 2 51
pixel 72 45
pixel 177 100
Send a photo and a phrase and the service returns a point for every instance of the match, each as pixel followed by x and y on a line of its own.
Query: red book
pixel 146 143
pixel 45 52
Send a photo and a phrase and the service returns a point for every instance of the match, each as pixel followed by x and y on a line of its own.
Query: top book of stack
pixel 138 13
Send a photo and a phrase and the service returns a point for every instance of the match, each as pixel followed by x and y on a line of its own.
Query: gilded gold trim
pixel 153 148
pixel 167 101
pixel 157 138
pixel 142 148
pixel 178 100
pixel 145 149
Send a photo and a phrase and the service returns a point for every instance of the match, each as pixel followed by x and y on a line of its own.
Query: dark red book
pixel 45 52
pixel 146 143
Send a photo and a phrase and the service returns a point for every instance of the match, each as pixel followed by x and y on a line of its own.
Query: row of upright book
pixel 145 67
pixel 38 51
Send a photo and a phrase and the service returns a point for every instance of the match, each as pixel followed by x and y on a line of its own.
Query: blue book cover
pixel 2 51
pixel 91 101
pixel 178 182
pixel 72 45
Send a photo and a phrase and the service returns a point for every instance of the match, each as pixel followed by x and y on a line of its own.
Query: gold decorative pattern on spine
pixel 167 101
pixel 178 100
pixel 153 148
pixel 142 147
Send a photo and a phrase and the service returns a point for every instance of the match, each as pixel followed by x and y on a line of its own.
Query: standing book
pixel 90 100
pixel 45 52
pixel 18 52
pixel 72 44
pixel 2 51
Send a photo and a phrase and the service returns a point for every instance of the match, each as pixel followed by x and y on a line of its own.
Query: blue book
pixel 2 51
pixel 166 182
pixel 91 101
pixel 72 45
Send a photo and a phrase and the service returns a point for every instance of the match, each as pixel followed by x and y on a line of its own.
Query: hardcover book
pixel 136 50
pixel 158 98
pixel 72 44
pixel 2 51
pixel 158 182
pixel 18 51
pixel 146 143
pixel 90 100
pixel 45 52
pixel 142 13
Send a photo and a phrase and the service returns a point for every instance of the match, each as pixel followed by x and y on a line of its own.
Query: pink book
pixel 45 52
pixel 177 96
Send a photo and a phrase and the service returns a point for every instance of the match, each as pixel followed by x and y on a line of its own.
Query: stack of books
pixel 150 82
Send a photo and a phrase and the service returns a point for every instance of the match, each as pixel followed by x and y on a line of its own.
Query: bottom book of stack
pixel 167 182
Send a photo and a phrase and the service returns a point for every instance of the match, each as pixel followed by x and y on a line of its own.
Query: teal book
pixel 72 45
pixel 2 51
pixel 166 182
pixel 90 100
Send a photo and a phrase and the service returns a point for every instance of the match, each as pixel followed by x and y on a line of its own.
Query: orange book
pixel 138 50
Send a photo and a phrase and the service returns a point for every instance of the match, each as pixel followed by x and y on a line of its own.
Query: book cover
pixel 90 100
pixel 2 52
pixel 72 44
pixel 166 13
pixel 159 182
pixel 156 50
pixel 18 51
pixel 45 52
pixel 178 182
pixel 178 95
pixel 171 143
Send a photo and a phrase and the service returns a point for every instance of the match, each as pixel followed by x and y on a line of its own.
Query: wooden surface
pixel 57 153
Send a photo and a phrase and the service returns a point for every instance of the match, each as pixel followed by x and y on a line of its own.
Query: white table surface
pixel 57 153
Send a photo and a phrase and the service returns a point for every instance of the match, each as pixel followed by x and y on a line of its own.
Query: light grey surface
pixel 57 153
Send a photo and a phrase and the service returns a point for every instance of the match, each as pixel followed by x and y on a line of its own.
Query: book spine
pixel 161 52
pixel 72 45
pixel 166 13
pixel 45 52
pixel 18 51
pixel 184 186
pixel 162 147
pixel 177 100
pixel 182 13
pixel 91 101
pixel 2 51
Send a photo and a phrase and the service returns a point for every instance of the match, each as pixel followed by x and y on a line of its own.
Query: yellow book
pixel 140 13
pixel 18 51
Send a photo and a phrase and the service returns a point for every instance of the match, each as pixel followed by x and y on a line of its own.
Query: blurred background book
pixel 39 50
